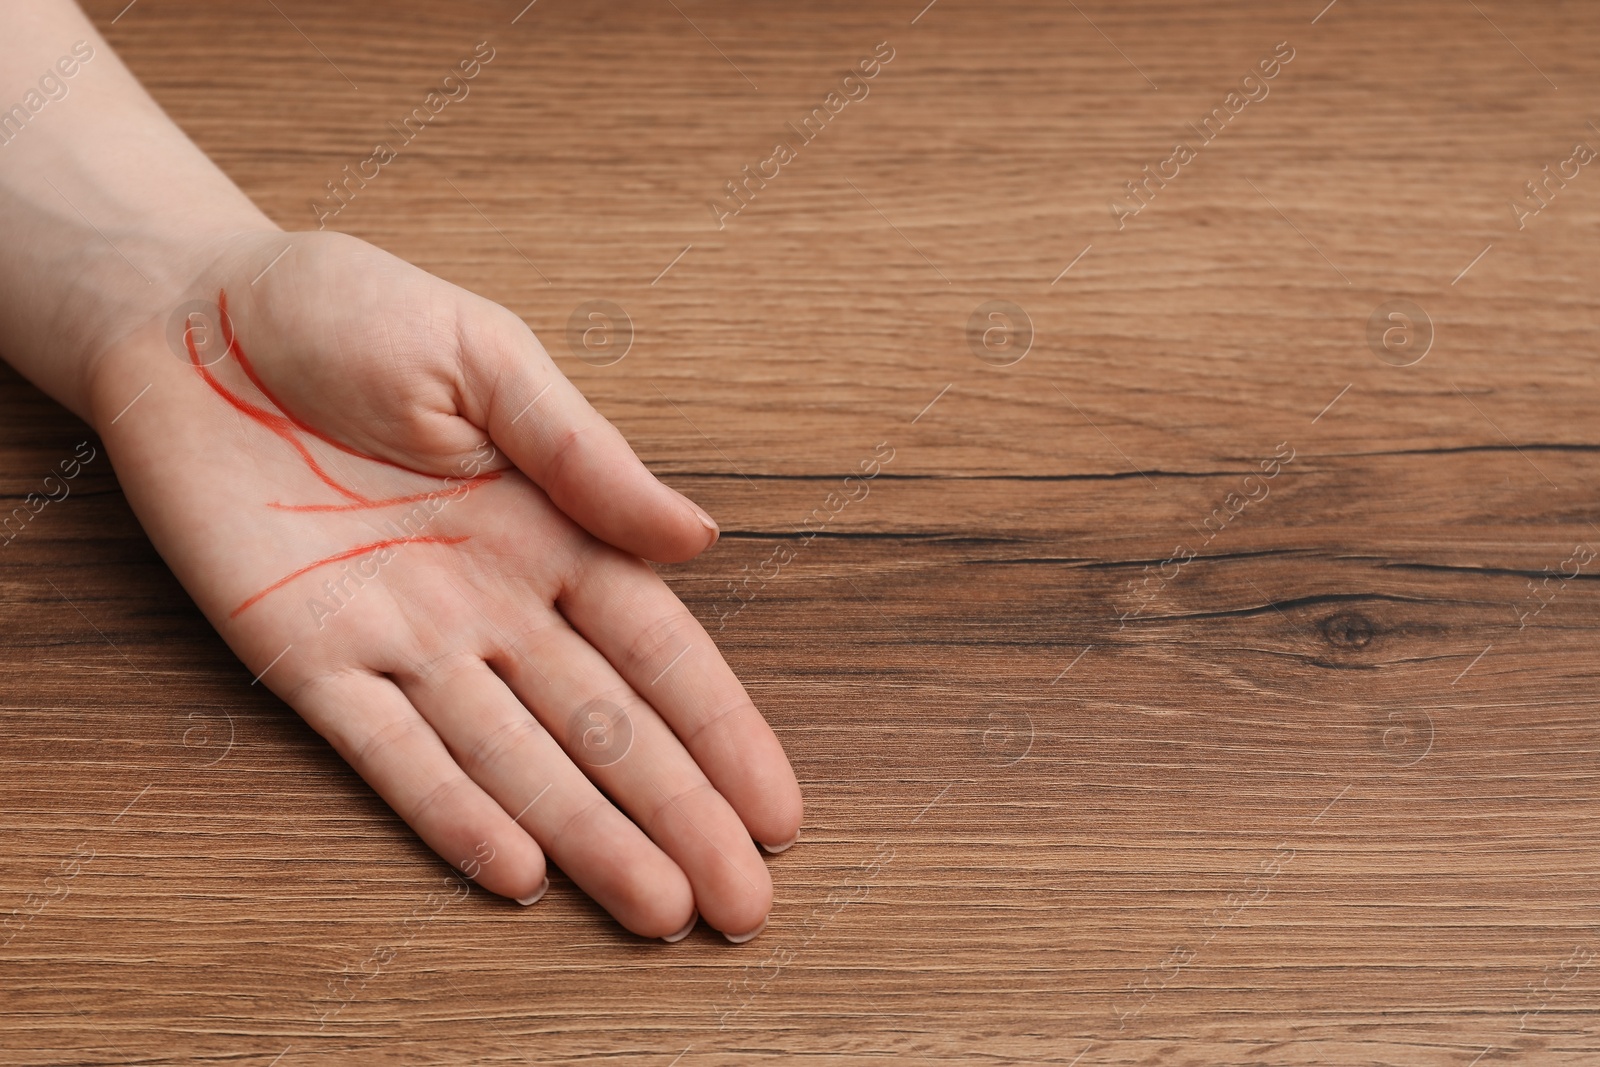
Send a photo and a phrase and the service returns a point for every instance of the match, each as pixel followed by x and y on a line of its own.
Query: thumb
pixel 545 426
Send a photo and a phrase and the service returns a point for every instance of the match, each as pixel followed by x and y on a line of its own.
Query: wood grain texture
pixel 1089 780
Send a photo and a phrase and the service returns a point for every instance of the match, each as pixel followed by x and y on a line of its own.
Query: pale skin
pixel 463 681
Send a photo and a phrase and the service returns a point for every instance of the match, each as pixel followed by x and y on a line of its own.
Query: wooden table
pixel 1209 677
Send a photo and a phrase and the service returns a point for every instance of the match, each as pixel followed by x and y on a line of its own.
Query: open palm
pixel 394 507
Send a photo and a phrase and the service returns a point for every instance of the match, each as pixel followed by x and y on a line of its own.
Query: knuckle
pixel 658 641
pixel 501 742
pixel 716 717
pixel 375 747
pixel 438 796
pixel 584 817
pixel 674 803
pixel 440 670
pixel 563 450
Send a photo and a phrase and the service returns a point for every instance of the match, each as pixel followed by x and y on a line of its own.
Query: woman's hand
pixel 399 513
pixel 394 508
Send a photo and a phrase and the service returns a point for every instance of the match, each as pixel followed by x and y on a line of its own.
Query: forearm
pixel 108 210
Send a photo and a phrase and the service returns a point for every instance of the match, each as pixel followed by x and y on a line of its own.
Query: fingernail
pixel 739 939
pixel 775 849
pixel 543 888
pixel 707 521
pixel 673 939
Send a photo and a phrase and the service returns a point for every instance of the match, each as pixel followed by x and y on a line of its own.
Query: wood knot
pixel 1349 630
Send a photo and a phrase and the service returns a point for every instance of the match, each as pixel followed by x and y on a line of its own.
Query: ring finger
pixel 512 757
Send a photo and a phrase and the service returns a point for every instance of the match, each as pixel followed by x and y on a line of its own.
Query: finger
pixel 543 423
pixel 371 724
pixel 507 752
pixel 626 611
pixel 622 744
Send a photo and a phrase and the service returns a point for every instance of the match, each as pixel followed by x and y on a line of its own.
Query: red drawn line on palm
pixel 276 423
pixel 467 484
pixel 284 423
pixel 338 557
pixel 238 353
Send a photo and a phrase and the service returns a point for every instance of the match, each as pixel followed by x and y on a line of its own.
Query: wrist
pixel 119 320
pixel 110 214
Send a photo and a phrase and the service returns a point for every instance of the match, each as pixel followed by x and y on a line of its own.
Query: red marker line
pixel 284 426
pixel 469 484
pixel 255 379
pixel 276 423
pixel 341 556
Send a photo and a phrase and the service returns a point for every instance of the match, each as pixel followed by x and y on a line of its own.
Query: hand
pixel 396 509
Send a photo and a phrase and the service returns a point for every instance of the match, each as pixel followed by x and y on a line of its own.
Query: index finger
pixel 626 611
